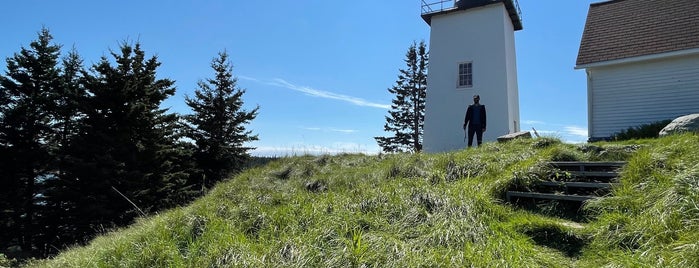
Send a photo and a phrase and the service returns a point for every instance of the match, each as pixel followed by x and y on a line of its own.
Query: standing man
pixel 475 119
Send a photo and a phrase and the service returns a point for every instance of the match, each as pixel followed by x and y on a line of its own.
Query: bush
pixel 644 131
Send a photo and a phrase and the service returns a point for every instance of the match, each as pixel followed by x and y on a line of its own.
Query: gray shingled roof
pixel 622 29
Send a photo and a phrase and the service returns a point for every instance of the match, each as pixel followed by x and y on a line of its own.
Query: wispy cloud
pixel 248 78
pixel 312 128
pixel 532 122
pixel 576 131
pixel 547 132
pixel 278 82
pixel 343 130
pixel 330 129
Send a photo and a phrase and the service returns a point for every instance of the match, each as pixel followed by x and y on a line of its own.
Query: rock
pixel 516 135
pixel 687 123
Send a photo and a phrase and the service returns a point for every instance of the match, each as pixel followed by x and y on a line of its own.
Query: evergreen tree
pixel 217 125
pixel 66 101
pixel 26 91
pixel 127 158
pixel 405 120
pixel 66 115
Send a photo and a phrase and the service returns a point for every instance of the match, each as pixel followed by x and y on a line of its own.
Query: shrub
pixel 644 131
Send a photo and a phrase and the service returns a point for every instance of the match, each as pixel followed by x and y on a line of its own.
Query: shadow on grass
pixel 556 238
pixel 553 236
pixel 568 210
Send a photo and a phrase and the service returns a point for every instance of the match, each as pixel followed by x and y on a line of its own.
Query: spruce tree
pixel 127 159
pixel 66 101
pixel 217 125
pixel 406 118
pixel 31 79
pixel 66 116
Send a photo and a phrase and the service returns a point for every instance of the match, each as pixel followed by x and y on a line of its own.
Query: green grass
pixel 423 210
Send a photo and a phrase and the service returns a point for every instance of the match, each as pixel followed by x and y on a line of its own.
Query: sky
pixel 318 69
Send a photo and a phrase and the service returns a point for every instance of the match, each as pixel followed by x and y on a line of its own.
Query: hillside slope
pixel 423 210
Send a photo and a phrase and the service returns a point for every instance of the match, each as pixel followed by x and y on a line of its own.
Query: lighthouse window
pixel 465 74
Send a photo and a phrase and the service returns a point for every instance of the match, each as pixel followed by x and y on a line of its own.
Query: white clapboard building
pixel 642 63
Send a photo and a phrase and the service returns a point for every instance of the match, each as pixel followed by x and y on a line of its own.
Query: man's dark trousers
pixel 475 129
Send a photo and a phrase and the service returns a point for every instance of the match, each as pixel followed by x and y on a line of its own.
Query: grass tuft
pixel 545 142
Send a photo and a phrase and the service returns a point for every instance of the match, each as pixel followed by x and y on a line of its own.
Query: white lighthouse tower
pixel 472 51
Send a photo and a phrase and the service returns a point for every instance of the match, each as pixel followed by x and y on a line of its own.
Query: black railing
pixel 433 6
pixel 437 6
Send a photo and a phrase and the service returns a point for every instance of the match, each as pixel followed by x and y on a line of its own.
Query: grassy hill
pixel 423 210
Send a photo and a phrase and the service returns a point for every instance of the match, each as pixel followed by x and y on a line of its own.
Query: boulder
pixel 687 123
pixel 516 135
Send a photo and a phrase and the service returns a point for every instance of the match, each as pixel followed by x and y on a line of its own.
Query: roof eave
pixel 685 52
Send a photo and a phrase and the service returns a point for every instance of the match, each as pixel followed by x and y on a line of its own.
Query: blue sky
pixel 318 69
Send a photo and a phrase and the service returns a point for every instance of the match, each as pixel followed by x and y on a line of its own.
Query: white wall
pixel 628 95
pixel 512 87
pixel 484 36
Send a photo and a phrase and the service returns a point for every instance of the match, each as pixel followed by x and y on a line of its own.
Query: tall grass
pixel 653 220
pixel 435 210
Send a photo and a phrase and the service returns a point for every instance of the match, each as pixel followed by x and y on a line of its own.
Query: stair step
pixel 573 184
pixel 580 198
pixel 603 174
pixel 604 171
pixel 582 171
pixel 591 164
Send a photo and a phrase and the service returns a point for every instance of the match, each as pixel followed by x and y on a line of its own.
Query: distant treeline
pixel 86 149
pixel 257 161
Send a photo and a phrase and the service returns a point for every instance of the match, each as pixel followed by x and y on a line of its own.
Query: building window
pixel 465 75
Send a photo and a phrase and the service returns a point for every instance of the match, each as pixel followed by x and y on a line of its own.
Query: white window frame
pixel 468 73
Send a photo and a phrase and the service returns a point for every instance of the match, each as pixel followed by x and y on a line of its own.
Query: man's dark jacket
pixel 469 115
